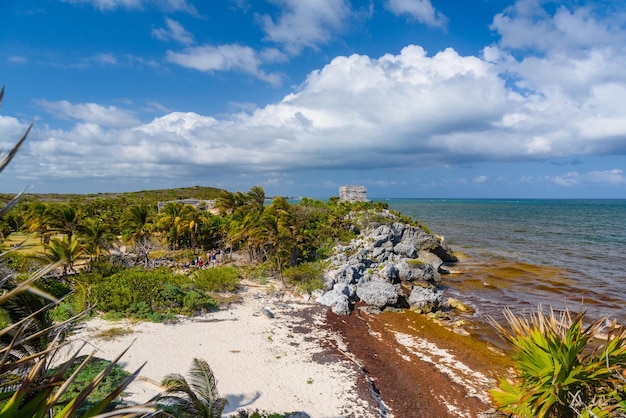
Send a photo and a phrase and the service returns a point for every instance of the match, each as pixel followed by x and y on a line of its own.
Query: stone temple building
pixel 198 204
pixel 353 194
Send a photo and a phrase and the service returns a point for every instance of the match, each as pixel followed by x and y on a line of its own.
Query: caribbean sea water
pixel 522 254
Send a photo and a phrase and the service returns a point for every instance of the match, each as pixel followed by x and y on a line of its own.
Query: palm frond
pixel 203 382
pixel 9 155
pixel 197 397
pixel 12 202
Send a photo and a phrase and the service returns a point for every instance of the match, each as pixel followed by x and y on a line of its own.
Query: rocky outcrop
pixel 390 264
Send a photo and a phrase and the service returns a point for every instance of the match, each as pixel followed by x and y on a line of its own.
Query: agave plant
pixel 563 367
pixel 28 342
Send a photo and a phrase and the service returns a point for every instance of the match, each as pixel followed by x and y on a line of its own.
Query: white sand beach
pixel 280 364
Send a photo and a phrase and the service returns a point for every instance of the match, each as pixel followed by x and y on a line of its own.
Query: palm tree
pixel 211 229
pixel 244 229
pixel 136 226
pixel 169 222
pixel 190 219
pixel 95 238
pixel 63 219
pixel 196 398
pixel 36 220
pixel 280 233
pixel 227 202
pixel 63 251
pixel 255 199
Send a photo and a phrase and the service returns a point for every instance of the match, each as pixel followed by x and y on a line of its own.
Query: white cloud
pixel 305 23
pixel 420 10
pixel 108 116
pixel 565 31
pixel 17 59
pixel 175 32
pixel 390 113
pixel 165 5
pixel 105 58
pixel 233 57
pixel 613 177
pixel 397 110
pixel 569 51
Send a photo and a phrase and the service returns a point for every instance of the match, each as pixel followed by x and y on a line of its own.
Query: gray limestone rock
pixel 389 272
pixel 425 299
pixel 338 302
pixel 405 250
pixel 345 273
pixel 415 270
pixel 378 293
pixel 419 238
pixel 429 258
pixel 267 313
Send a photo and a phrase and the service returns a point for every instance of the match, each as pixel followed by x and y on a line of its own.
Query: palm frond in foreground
pixel 563 367
pixel 196 397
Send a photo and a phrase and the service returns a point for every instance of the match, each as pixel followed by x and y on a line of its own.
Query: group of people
pixel 212 258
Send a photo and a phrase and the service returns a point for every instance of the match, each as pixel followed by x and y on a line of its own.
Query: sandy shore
pixel 280 364
pixel 306 359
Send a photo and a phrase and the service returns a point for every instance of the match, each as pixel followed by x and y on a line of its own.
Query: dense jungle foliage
pixel 135 255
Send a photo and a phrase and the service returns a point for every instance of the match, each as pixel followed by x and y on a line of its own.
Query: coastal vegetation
pixel 142 262
pixel 563 367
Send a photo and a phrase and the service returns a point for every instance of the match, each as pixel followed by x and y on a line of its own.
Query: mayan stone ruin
pixel 353 193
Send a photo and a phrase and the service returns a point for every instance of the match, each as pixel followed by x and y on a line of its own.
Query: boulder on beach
pixel 425 299
pixel 378 293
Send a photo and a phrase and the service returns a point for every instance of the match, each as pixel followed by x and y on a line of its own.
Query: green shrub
pixel 119 291
pixel 54 287
pixel 85 376
pixel 22 263
pixel 5 319
pixel 562 370
pixel 104 268
pixel 217 279
pixel 153 295
pixel 306 276
pixel 113 316
pixel 194 301
pixel 172 295
pixel 63 311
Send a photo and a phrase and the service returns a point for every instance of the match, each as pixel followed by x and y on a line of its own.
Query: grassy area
pixel 151 196
pixel 31 243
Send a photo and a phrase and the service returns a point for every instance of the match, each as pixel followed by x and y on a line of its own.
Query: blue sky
pixel 410 98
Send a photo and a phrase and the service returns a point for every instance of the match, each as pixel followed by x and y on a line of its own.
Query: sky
pixel 409 98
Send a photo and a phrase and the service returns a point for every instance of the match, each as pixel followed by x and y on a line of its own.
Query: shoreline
pixel 421 368
pixel 307 359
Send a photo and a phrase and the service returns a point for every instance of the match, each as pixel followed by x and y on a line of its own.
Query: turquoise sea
pixel 524 253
